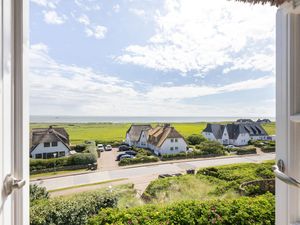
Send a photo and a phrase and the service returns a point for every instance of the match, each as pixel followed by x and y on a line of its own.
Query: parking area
pixel 107 161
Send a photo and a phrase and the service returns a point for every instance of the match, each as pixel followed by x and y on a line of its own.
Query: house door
pixel 14 168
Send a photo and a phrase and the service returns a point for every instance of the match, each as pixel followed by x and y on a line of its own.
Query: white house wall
pixel 143 140
pixel 40 149
pixel 166 146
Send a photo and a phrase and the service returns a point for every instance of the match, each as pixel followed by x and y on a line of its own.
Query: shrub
pixel 195 139
pixel 80 148
pixel 211 147
pixel 244 210
pixel 70 210
pixel 268 148
pixel 82 159
pixel 37 193
pixel 141 159
pixel 47 165
pixel 242 151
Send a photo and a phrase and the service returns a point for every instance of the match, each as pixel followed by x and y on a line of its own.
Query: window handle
pixel 279 173
pixel 11 183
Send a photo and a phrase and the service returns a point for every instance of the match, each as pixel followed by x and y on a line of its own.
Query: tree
pixel 195 139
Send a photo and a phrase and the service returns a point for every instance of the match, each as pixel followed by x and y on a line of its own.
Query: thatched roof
pixel 272 2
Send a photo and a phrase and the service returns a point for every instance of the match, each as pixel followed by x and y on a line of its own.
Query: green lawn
pixel 110 132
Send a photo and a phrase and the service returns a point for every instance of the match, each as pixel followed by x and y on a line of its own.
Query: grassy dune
pixel 116 131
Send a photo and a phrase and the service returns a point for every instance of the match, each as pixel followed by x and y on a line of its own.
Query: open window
pixel 14 206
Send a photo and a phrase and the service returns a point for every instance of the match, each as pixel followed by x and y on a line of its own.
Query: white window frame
pixel 287 110
pixel 14 119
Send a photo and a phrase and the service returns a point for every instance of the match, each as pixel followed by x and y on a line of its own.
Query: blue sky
pixel 152 58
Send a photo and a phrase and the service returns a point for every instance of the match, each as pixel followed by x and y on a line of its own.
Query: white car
pixel 108 148
pixel 100 147
pixel 230 146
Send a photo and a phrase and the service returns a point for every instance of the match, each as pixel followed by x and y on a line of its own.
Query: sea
pixel 137 119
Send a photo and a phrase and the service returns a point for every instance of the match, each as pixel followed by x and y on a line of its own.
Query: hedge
pixel 246 151
pixel 189 155
pixel 242 211
pixel 70 210
pixel 268 148
pixel 46 165
pixel 141 159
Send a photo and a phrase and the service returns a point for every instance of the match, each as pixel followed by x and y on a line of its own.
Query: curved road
pixel 146 171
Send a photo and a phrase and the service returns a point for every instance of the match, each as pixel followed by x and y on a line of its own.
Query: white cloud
pixel 60 89
pixel 195 37
pixel 138 12
pixel 51 17
pixel 116 8
pixel 46 3
pixel 84 19
pixel 194 91
pixel 97 32
pixel 88 5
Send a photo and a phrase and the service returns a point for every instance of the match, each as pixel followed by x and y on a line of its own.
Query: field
pixel 110 132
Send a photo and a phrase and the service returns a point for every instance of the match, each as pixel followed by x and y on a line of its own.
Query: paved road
pixel 107 161
pixel 130 173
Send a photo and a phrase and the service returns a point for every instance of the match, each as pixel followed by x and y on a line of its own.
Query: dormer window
pixel 46 144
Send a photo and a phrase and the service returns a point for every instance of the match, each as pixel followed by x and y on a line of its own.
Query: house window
pixel 46 144
pixel 176 148
pixel 172 140
pixel 176 140
pixel 61 154
pixel 171 148
pixel 38 156
pixel 54 143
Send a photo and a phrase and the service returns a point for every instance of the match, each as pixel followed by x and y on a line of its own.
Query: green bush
pixel 59 163
pixel 195 139
pixel 193 154
pixel 82 159
pixel 73 210
pixel 140 159
pixel 242 151
pixel 79 148
pixel 245 210
pixel 211 148
pixel 37 193
pixel 268 148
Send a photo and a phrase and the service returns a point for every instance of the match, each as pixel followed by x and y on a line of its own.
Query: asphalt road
pixel 151 170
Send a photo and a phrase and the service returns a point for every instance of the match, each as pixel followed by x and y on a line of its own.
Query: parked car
pixel 230 146
pixel 119 156
pixel 131 153
pixel 100 147
pixel 123 148
pixel 124 143
pixel 126 156
pixel 108 148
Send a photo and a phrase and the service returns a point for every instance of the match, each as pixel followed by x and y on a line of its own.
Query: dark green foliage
pixel 195 139
pixel 211 147
pixel 79 148
pixel 242 151
pixel 70 210
pixel 232 176
pixel 44 165
pixel 138 159
pixel 37 193
pixel 242 211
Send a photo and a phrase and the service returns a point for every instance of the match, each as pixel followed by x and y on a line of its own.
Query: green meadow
pixel 110 132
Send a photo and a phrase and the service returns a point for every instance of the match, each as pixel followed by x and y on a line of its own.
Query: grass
pixel 48 174
pixel 110 132
pixel 87 185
